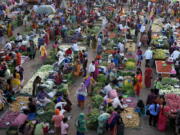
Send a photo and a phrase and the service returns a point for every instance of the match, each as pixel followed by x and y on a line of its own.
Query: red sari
pixel 163 118
pixel 138 84
pixel 148 77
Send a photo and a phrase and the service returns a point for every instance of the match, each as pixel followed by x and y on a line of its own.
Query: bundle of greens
pixel 92 119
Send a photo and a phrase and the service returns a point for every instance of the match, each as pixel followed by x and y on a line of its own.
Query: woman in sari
pixel 163 117
pixel 94 42
pixel 46 38
pixel 9 30
pixel 96 72
pixel 89 81
pixel 78 68
pixel 15 82
pixel 43 52
pixel 81 95
pixel 148 76
pixel 81 124
pixel 138 83
pixel 18 58
pixel 112 123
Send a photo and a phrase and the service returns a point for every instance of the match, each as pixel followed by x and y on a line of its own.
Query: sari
pixel 46 38
pixel 9 30
pixel 88 83
pixel 148 77
pixel 43 52
pixel 163 118
pixel 18 59
pixel 138 84
pixel 96 72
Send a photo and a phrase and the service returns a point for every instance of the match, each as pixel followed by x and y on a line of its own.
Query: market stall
pixel 164 68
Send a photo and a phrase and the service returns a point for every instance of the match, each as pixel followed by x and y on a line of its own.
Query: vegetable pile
pixel 43 72
pixel 168 85
pixel 160 54
pixel 130 64
pixel 92 119
pixel 19 103
pixel 173 101
pixel 130 118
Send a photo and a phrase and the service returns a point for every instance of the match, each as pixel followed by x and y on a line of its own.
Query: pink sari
pixel 162 120
pixel 96 72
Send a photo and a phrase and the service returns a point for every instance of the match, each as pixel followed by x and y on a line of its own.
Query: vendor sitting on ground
pixel 43 97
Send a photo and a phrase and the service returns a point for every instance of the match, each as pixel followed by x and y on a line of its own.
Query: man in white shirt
pixel 75 47
pixel 8 46
pixel 117 103
pixel 143 28
pixel 121 47
pixel 107 88
pixel 175 54
pixel 91 67
pixel 148 55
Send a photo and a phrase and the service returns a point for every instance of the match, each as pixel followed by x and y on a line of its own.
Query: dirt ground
pixel 144 129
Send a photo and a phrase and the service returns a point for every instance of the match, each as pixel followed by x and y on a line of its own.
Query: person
pixel 153 113
pixel 58 78
pixel 81 95
pixel 140 108
pixel 42 97
pixel 18 58
pixel 57 119
pixel 43 52
pixel 81 124
pixel 9 30
pixel 36 82
pixel 64 126
pixel 112 123
pixel 78 68
pixel 107 88
pixel 117 103
pixel 163 117
pixel 75 48
pixel 20 70
pixel 92 67
pixel 89 82
pixel 16 83
pixel 84 64
pixel 148 76
pixel 176 54
pixel 55 45
pixel 139 56
pixel 151 98
pixel 102 120
pixel 148 55
pixel 32 50
pixel 96 72
pixel 32 105
pixel 138 83
pixel 120 123
pixel 121 47
pixel 38 130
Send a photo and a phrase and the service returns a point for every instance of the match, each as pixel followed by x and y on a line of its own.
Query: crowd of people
pixel 72 23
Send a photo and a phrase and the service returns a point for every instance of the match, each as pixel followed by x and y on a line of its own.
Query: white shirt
pixel 19 38
pixel 75 47
pixel 8 46
pixel 91 68
pixel 148 54
pixel 116 102
pixel 120 26
pixel 121 46
pixel 107 88
pixel 175 54
pixel 142 29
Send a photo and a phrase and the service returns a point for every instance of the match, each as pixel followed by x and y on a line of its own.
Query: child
pixel 64 127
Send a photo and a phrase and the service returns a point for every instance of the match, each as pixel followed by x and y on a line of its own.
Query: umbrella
pixel 46 9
